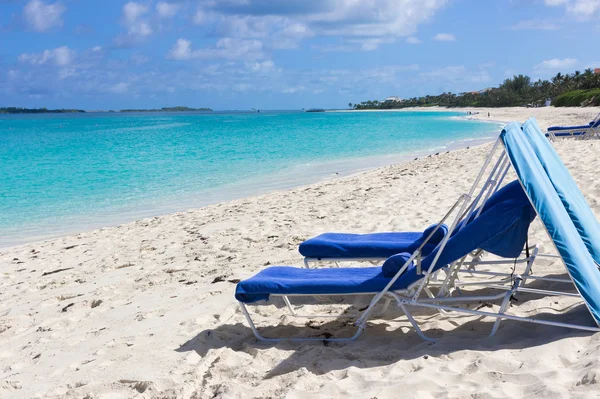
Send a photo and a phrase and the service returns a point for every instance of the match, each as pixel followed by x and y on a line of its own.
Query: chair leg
pixel 259 336
pixel 414 323
pixel 505 305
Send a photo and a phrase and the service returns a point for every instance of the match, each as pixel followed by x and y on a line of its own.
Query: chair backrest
pixel 501 228
pixel 580 265
pixel 512 190
pixel 569 193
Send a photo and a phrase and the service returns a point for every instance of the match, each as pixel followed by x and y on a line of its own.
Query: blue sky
pixel 268 54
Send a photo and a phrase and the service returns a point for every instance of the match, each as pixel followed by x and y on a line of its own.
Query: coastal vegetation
pixel 576 89
pixel 18 110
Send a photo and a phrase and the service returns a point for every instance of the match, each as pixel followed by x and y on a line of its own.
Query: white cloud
pixel 60 56
pixel 444 37
pixel 225 48
pixel 166 10
pixel 182 50
pixel 262 67
pixel 579 9
pixel 132 11
pixel 41 17
pixel 555 64
pixel 137 26
pixel 412 40
pixel 534 24
pixel 381 19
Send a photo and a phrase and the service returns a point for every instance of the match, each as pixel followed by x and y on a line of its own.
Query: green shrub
pixel 575 98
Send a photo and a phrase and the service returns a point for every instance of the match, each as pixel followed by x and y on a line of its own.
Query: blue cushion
pixel 501 230
pixel 299 280
pixel 394 263
pixel 375 245
pixel 554 128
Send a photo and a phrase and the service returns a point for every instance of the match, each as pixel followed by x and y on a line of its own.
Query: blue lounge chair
pixel 500 229
pixel 583 131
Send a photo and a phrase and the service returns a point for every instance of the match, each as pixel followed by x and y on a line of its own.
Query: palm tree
pixel 349 105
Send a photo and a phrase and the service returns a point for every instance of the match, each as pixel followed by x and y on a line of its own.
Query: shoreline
pixel 290 178
pixel 547 116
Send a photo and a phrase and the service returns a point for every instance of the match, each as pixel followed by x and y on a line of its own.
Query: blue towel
pixel 375 245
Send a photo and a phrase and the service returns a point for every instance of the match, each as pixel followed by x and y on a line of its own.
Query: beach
pixel 147 309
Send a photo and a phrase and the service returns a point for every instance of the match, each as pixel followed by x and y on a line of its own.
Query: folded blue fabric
pixel 375 245
pixel 567 189
pixel 296 280
pixel 393 264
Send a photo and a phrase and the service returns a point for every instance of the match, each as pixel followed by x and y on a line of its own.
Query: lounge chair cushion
pixel 375 245
pixel 394 263
pixel 288 280
pixel 555 128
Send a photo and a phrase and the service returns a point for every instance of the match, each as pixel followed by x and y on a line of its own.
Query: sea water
pixel 63 173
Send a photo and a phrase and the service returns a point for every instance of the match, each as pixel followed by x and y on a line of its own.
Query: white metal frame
pixel 587 133
pixel 444 301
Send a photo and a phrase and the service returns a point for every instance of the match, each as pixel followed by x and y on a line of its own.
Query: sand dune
pixel 146 309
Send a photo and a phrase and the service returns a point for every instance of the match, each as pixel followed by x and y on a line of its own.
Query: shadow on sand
pixel 390 339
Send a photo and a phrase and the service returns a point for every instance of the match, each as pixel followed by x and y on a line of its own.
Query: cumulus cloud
pixel 285 24
pixel 225 48
pixel 579 9
pixel 555 64
pixel 133 17
pixel 42 17
pixel 132 11
pixel 444 37
pixel 166 10
pixel 60 56
pixel 412 40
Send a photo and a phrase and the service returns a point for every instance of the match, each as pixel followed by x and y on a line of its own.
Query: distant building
pixel 485 90
pixel 393 98
pixel 597 71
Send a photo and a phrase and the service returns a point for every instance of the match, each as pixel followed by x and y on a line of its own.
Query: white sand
pixel 142 310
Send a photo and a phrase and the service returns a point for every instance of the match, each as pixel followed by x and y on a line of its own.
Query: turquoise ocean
pixel 64 173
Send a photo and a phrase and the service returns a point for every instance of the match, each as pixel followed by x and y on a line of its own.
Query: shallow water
pixel 65 173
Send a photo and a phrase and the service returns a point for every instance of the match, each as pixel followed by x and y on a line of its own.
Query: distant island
pixel 315 110
pixel 17 110
pixel 167 109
